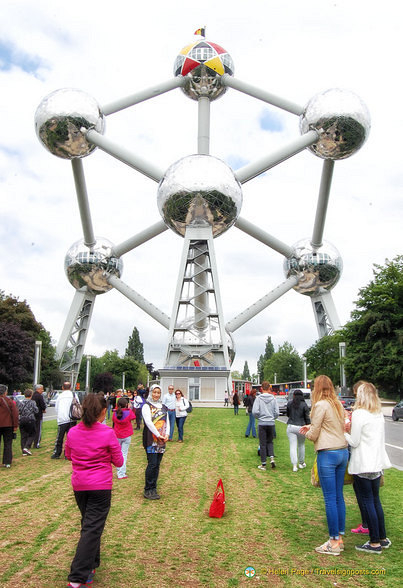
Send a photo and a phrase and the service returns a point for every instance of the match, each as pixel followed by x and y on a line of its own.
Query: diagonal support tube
pixel 139 239
pixel 323 200
pixel 241 86
pixel 83 204
pixel 250 229
pixel 250 171
pixel 138 97
pixel 139 300
pixel 261 304
pixel 123 155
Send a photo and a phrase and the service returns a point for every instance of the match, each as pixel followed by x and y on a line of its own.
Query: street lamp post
pixel 342 354
pixel 88 374
pixel 305 378
pixel 37 361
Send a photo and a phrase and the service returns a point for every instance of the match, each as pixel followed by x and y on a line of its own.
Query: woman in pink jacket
pixel 122 418
pixel 92 448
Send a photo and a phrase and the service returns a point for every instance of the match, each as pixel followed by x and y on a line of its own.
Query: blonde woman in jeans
pixel 327 432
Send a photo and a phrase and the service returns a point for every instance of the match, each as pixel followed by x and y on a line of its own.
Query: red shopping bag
pixel 217 507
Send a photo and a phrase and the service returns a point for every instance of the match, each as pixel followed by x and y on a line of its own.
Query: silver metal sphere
pixel 86 266
pixel 59 119
pixel 342 120
pixel 317 269
pixel 199 190
pixel 202 64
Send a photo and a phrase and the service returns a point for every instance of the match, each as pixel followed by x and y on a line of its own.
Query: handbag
pixel 217 507
pixel 348 478
pixel 76 410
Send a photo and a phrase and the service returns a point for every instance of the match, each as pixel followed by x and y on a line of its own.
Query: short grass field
pixel 272 522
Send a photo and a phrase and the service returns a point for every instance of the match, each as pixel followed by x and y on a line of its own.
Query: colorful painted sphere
pixel 202 64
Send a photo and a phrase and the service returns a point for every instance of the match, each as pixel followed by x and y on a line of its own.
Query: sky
pixel 291 49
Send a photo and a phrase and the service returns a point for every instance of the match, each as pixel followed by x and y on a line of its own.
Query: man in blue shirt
pixel 169 401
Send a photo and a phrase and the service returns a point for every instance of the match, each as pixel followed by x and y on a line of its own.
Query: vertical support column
pixel 203 135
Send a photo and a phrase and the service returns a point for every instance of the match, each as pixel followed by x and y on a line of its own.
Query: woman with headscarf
pixel 298 415
pixel 327 432
pixel 155 436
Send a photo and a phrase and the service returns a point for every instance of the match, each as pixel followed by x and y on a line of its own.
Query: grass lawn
pixel 273 519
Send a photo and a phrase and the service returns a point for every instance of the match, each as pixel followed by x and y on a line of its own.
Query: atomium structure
pixel 199 198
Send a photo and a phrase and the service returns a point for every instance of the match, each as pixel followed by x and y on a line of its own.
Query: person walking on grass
pixel 298 415
pixel 64 421
pixel 181 406
pixel 27 410
pixel 249 402
pixel 327 432
pixel 122 418
pixel 93 448
pixel 8 425
pixel 265 409
pixel 37 397
pixel 367 462
pixel 236 402
pixel 155 436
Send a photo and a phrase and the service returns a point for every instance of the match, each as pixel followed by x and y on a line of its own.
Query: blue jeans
pixel 152 470
pixel 368 490
pixel 124 445
pixel 171 416
pixel 180 421
pixel 331 469
pixel 251 426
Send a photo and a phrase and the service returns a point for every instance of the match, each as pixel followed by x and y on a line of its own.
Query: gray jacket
pixel 265 409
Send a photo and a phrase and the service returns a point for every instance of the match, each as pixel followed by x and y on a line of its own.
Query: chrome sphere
pixel 342 120
pixel 202 64
pixel 59 119
pixel 199 190
pixel 86 266
pixel 317 269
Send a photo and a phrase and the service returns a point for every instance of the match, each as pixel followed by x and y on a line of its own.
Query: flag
pixel 201 32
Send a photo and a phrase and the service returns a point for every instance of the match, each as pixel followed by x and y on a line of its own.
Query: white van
pixel 306 392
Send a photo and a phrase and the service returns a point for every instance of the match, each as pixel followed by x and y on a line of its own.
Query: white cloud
pixel 289 48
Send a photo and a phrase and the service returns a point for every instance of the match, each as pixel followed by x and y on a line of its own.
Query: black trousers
pixel 38 431
pixel 27 432
pixel 266 436
pixel 152 470
pixel 7 434
pixel 62 430
pixel 94 506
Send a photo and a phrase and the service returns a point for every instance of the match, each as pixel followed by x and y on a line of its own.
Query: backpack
pixel 26 412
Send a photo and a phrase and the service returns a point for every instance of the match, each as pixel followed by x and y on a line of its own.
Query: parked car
pixel 397 411
pixel 347 402
pixel 18 397
pixel 306 393
pixel 53 398
pixel 282 400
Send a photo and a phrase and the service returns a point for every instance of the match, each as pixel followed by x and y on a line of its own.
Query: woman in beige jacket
pixel 327 432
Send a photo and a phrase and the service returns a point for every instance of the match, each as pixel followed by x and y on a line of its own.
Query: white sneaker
pixel 261 467
pixel 302 466
pixel 294 468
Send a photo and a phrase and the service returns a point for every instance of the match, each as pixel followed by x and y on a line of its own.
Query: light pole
pixel 88 374
pixel 342 355
pixel 123 381
pixel 37 361
pixel 304 364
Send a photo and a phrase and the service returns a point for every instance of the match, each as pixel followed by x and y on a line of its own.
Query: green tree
pixel 323 357
pixel 236 375
pixel 111 363
pixel 18 313
pixel 268 352
pixel 374 336
pixel 246 372
pixel 285 363
pixel 135 347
